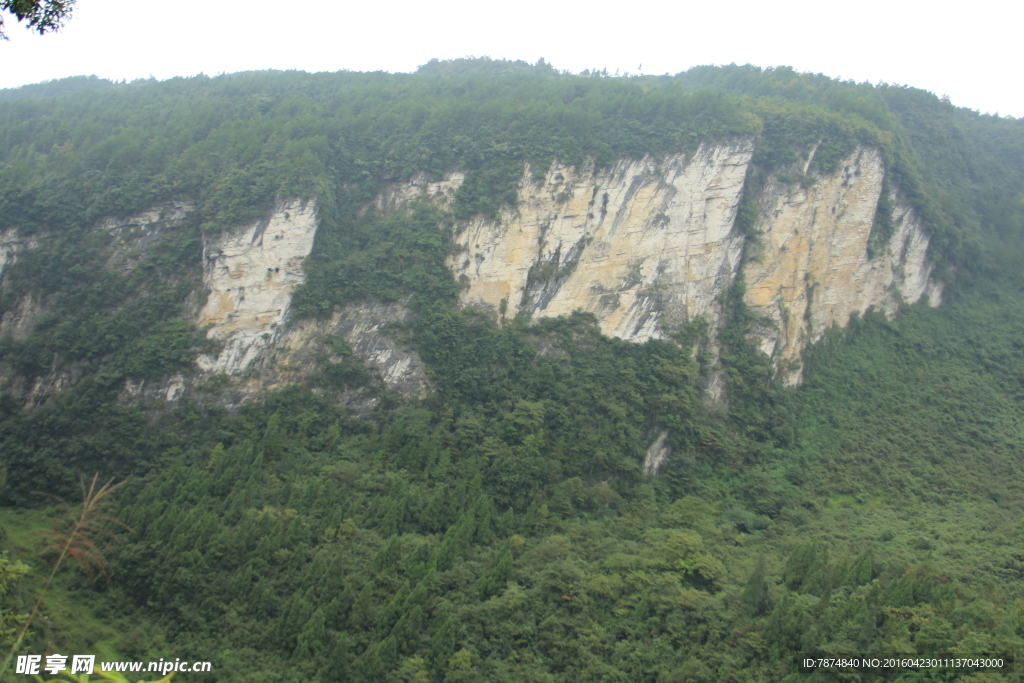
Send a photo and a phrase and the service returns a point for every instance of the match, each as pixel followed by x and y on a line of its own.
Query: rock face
pixel 441 193
pixel 647 246
pixel 12 242
pixel 18 322
pixel 250 274
pixel 364 327
pixel 134 236
pixel 811 269
pixel 643 245
pixel 657 453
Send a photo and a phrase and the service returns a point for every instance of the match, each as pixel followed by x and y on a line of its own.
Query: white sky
pixel 970 51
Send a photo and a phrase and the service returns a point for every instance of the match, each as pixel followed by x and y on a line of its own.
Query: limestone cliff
pixel 364 327
pixel 132 237
pixel 644 245
pixel 18 322
pixel 299 353
pixel 12 242
pixel 810 268
pixel 441 192
pixel 648 245
pixel 249 275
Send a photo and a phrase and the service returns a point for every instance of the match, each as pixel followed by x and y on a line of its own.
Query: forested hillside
pixel 503 527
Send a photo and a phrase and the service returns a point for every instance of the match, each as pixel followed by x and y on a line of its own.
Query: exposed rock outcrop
pixel 134 236
pixel 649 245
pixel 18 322
pixel 657 453
pixel 811 267
pixel 644 245
pixel 12 242
pixel 364 326
pixel 441 193
pixel 250 274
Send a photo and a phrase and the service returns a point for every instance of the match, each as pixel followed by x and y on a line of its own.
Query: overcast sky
pixel 970 51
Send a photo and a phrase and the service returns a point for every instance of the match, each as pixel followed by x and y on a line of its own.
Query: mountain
pixel 492 372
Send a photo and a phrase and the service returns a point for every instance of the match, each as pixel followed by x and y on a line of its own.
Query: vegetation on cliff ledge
pixel 502 529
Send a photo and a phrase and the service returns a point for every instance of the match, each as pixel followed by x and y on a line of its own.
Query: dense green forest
pixel 502 528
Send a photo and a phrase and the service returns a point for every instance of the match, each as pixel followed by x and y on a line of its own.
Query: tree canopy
pixel 502 528
pixel 41 16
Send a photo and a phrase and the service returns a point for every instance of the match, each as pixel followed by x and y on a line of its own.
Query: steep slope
pixel 648 246
pixel 294 520
pixel 645 246
pixel 812 266
pixel 249 275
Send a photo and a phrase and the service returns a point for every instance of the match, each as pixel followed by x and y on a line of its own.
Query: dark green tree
pixel 755 598
pixel 41 16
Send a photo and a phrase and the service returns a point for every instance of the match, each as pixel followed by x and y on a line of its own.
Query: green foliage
pixel 755 595
pixel 322 541
pixel 96 328
pixel 757 404
pixel 502 529
pixel 933 397
pixel 883 225
pixel 39 15
pixel 380 258
pixel 746 214
pixel 11 572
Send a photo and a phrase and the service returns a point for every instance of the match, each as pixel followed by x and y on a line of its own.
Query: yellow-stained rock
pixel 644 245
pixel 811 269
pixel 250 274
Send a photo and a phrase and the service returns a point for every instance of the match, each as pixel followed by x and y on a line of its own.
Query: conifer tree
pixel 755 598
